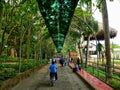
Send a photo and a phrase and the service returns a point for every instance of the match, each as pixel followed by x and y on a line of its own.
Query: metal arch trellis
pixel 57 15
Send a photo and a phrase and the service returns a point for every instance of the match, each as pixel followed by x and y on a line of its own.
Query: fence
pixel 99 67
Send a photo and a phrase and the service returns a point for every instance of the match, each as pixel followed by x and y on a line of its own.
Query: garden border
pixel 9 83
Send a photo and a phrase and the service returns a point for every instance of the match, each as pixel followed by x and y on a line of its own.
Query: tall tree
pixel 88 30
pixel 28 39
pixel 107 39
pixel 1 12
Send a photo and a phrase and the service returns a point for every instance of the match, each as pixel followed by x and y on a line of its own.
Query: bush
pixel 32 64
pixel 115 83
pixel 9 70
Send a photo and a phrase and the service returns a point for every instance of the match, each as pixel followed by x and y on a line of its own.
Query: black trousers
pixel 53 74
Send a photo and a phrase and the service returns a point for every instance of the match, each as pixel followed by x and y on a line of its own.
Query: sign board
pixel 73 55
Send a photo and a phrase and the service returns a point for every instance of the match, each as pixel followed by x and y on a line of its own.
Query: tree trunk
pixel 2 42
pixel 28 43
pixel 81 58
pixel 36 55
pixel 1 12
pixel 80 51
pixel 15 43
pixel 89 8
pixel 12 52
pixel 87 52
pixel 107 40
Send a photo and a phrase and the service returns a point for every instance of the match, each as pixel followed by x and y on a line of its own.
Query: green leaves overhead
pixel 57 15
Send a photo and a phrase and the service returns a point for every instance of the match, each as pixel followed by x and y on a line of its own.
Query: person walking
pixel 61 61
pixel 53 70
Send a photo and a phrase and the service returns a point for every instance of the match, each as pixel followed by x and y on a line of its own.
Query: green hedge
pixel 8 70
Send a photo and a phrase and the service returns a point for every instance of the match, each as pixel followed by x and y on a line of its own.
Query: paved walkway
pixel 67 80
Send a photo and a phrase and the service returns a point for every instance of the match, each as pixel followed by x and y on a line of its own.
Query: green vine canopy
pixel 57 15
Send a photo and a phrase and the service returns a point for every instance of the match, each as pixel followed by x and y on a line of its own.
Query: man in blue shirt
pixel 53 70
